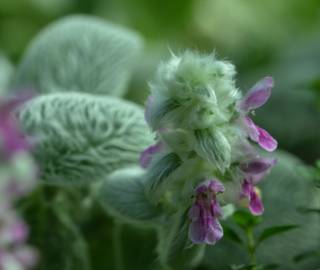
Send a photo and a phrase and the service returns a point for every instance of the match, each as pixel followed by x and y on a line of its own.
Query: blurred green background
pixel 277 38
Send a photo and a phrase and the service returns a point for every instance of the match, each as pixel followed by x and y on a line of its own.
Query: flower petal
pixel 258 165
pixel 257 96
pixel 216 186
pixel 198 231
pixel 266 141
pixel 251 128
pixel 147 154
pixel 255 204
pixel 259 135
pixel 215 231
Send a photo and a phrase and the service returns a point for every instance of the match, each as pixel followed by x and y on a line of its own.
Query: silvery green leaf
pixel 214 147
pixel 80 138
pixel 81 54
pixel 174 248
pixel 122 194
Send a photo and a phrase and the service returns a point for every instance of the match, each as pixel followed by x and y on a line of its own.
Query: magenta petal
pixel 197 231
pixel 214 233
pixel 257 96
pixel 258 165
pixel 147 154
pixel 266 141
pixel 255 204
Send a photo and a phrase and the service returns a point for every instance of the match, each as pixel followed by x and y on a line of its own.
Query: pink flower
pixel 204 214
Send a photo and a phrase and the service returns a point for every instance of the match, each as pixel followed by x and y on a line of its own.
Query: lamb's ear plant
pixel 202 158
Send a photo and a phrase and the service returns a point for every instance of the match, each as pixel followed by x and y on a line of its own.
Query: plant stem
pixel 117 245
pixel 251 247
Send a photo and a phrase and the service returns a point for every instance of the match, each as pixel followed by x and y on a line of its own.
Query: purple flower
pixel 147 155
pixel 254 171
pixel 11 140
pixel 250 192
pixel 255 98
pixel 204 214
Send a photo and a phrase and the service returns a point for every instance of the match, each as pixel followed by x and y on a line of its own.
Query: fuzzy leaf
pixel 122 194
pixel 273 231
pixel 228 232
pixel 81 138
pixel 80 54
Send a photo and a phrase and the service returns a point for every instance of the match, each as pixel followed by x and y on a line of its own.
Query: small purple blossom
pixel 204 214
pixel 11 139
pixel 250 192
pixel 255 98
pixel 254 170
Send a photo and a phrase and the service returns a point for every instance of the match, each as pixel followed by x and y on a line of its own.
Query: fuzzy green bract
pixel 79 53
pixel 80 138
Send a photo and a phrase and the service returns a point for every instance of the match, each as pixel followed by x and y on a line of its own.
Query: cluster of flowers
pixel 17 178
pixel 204 155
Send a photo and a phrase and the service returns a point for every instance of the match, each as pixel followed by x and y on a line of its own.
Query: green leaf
pixel 273 231
pixel 231 234
pixel 80 138
pixel 174 248
pixel 306 255
pixel 122 194
pixel 80 54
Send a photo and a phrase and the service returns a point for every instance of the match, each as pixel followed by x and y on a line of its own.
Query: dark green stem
pixel 117 245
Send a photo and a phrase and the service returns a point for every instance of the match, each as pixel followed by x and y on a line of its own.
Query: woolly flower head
pixel 204 135
pixel 193 91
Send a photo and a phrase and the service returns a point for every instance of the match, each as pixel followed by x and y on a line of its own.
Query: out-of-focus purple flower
pixel 255 98
pixel 18 173
pixel 147 155
pixel 11 139
pixel 204 213
pixel 258 165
